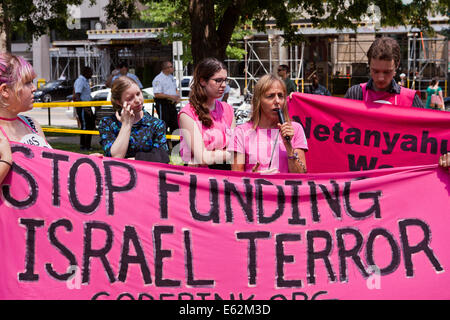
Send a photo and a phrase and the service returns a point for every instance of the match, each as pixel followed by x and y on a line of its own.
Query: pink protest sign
pixel 77 227
pixel 349 135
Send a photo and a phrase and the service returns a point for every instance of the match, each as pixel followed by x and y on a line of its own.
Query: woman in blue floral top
pixel 131 129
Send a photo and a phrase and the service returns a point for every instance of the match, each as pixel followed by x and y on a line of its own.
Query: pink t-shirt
pixel 216 137
pixel 258 146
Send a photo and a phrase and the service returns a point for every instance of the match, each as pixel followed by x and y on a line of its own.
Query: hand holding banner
pixel 120 229
pixel 350 135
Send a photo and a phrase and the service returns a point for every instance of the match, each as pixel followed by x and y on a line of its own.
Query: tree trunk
pixel 6 24
pixel 7 30
pixel 204 41
pixel 207 41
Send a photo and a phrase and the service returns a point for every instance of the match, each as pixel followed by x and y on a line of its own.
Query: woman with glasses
pixel 267 144
pixel 205 122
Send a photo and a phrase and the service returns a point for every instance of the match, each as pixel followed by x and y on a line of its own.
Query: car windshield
pixel 102 96
pixel 51 85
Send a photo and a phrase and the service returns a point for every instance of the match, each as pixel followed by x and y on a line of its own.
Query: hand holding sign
pixel 444 160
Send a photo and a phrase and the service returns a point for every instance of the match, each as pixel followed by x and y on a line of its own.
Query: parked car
pixel 186 86
pixel 56 90
pixel 107 110
pixel 97 87
pixel 94 88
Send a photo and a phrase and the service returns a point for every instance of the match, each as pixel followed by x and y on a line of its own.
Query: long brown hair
pixel 198 96
pixel 261 87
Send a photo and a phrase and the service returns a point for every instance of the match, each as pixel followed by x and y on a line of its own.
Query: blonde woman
pixel 264 144
pixel 16 96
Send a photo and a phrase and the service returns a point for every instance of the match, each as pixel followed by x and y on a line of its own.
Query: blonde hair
pixel 15 71
pixel 262 86
pixel 120 85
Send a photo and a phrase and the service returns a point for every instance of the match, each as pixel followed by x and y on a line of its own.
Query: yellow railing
pixel 93 132
pixel 77 104
pixel 83 104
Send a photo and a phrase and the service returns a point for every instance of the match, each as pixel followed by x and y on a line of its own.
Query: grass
pixel 74 148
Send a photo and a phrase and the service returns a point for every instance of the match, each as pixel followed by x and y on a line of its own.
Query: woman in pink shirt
pixel 16 96
pixel 5 157
pixel 264 144
pixel 206 122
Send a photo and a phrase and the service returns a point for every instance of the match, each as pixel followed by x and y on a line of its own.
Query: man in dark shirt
pixel 317 88
pixel 384 59
pixel 283 73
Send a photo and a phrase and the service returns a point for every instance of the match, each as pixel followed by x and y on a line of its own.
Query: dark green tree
pixel 210 24
pixel 33 18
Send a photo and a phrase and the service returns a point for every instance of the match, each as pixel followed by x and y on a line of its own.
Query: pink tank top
pixel 215 137
pixel 405 98
pixel 32 138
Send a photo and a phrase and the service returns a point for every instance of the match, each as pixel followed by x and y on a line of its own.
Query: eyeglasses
pixel 219 81
pixel 280 69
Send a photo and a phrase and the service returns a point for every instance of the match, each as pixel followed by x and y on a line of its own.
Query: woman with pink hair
pixel 16 96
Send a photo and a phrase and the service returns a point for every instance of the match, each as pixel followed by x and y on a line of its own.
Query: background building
pixel 338 57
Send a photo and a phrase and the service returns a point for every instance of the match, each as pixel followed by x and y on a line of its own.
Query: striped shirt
pixel 356 92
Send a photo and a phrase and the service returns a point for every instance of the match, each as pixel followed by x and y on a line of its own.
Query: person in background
pixel 85 115
pixel 206 122
pixel 283 73
pixel 122 70
pixel 435 100
pixel 16 96
pixel 264 144
pixel 166 96
pixel 317 88
pixel 384 59
pixel 402 81
pixel 114 72
pixel 131 130
pixel 5 157
pixel 226 94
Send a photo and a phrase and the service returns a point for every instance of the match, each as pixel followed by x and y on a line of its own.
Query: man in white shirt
pixel 166 96
pixel 82 92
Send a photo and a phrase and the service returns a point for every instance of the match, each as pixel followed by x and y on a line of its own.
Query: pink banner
pixel 348 135
pixel 77 227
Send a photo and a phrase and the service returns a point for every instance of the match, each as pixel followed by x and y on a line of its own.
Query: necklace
pixel 9 119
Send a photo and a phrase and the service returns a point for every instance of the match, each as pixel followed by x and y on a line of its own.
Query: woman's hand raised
pixel 127 115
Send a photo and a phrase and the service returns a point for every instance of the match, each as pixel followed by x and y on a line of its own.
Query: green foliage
pixel 119 10
pixel 337 14
pixel 172 15
pixel 33 18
